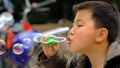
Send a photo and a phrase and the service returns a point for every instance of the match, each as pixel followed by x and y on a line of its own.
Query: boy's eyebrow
pixel 78 20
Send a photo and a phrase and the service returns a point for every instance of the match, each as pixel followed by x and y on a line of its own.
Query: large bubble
pixel 37 37
pixel 2 47
pixel 18 48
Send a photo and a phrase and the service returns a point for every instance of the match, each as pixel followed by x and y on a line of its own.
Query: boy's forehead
pixel 85 13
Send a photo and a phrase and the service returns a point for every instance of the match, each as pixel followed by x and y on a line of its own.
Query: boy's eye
pixel 79 25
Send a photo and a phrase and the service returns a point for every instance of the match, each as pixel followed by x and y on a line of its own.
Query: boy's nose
pixel 71 32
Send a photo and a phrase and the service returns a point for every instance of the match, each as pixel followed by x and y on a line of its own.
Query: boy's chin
pixel 74 51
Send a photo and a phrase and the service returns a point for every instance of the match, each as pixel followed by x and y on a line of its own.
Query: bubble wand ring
pixel 50 40
pixel 61 39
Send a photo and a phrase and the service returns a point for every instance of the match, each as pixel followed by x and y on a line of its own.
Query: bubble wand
pixel 49 39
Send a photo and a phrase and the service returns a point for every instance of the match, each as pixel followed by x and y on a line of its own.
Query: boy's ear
pixel 102 35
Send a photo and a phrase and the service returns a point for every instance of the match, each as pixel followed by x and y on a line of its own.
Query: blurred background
pixel 22 22
pixel 43 11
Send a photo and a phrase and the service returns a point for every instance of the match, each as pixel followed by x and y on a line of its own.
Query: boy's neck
pixel 98 54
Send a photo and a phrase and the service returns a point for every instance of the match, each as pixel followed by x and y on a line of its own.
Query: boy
pixel 94 31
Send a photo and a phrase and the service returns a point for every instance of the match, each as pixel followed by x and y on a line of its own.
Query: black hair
pixel 105 16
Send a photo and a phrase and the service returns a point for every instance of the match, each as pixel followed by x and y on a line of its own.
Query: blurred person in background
pixel 9 6
pixel 15 7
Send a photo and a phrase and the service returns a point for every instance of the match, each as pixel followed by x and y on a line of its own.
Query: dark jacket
pixel 59 60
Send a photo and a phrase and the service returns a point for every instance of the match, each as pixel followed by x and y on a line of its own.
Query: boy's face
pixel 83 33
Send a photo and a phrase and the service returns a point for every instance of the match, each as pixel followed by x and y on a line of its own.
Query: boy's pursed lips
pixel 68 40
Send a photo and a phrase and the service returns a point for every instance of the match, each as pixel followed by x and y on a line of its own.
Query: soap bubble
pixel 18 48
pixel 27 42
pixel 2 47
pixel 37 37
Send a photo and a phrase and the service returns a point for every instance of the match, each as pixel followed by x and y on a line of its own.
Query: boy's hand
pixel 49 49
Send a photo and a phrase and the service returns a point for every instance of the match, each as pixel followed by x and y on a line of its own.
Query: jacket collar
pixel 113 51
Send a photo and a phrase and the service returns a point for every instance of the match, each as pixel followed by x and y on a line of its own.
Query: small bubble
pixel 2 47
pixel 18 48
